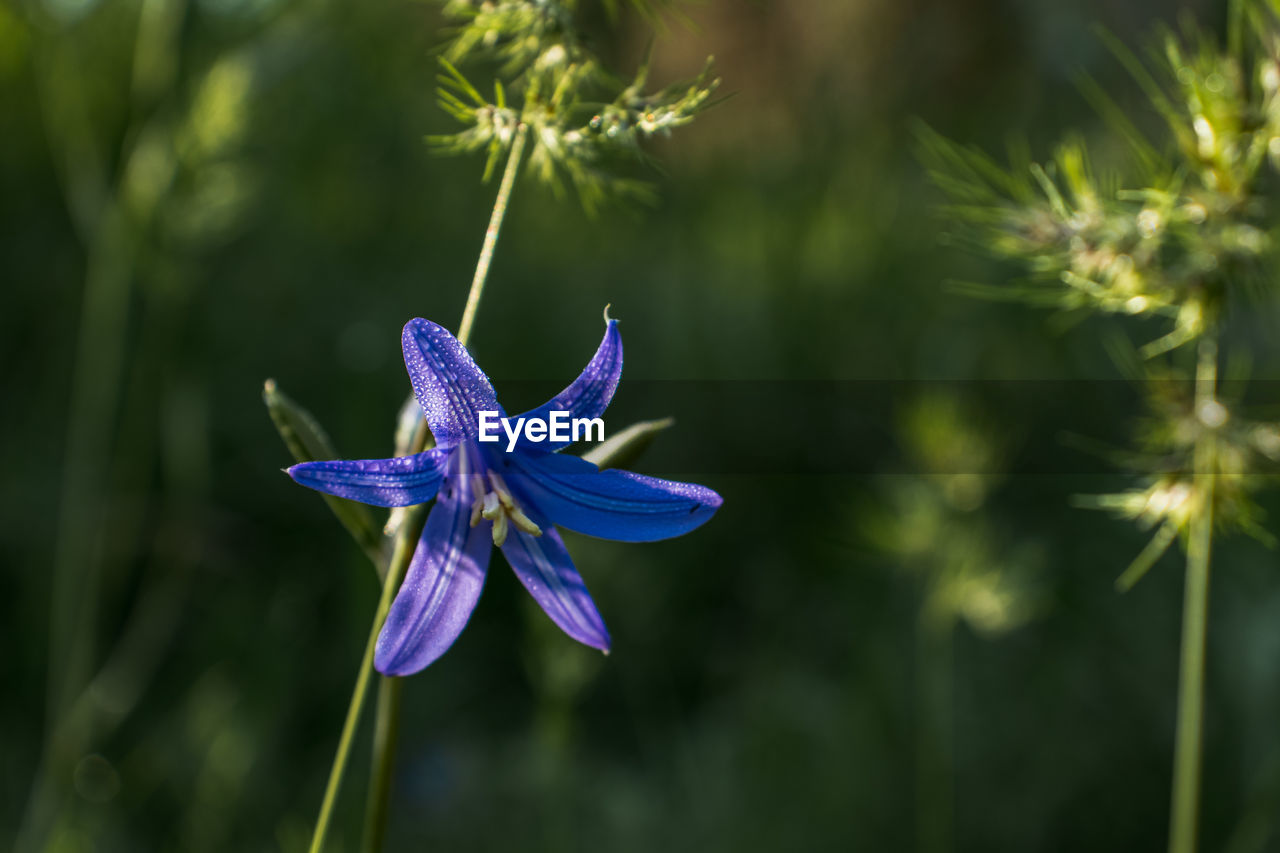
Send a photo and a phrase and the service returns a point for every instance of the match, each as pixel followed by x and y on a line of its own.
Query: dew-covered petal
pixel 573 493
pixel 450 388
pixel 544 567
pixel 400 481
pixel 441 587
pixel 588 395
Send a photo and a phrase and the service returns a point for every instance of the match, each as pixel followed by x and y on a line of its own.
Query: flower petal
pixel 400 481
pixel 589 395
pixel 449 386
pixel 441 587
pixel 544 567
pixel 612 504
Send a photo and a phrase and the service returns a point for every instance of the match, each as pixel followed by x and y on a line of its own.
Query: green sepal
pixel 308 442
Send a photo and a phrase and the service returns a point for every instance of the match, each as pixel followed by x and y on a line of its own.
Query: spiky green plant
pixel 1182 237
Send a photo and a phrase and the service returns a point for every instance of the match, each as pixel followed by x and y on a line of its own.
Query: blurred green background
pixel 906 651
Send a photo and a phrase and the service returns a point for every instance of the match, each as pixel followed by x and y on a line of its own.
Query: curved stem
pixel 491 234
pixel 1184 815
pixel 406 541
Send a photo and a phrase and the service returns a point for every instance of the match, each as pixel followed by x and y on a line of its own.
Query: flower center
pixel 496 503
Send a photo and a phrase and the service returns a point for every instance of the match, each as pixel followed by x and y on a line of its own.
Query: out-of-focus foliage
pixel 760 695
pixel 935 526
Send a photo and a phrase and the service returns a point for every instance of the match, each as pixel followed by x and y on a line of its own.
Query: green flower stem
pixel 1184 815
pixel 385 732
pixel 406 541
pixel 389 689
pixel 491 234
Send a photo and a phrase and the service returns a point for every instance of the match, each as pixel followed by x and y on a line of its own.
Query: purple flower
pixel 486 494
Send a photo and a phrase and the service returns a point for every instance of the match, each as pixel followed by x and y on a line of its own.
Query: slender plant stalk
pixel 1185 809
pixel 387 728
pixel 385 732
pixel 406 541
pixel 491 234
